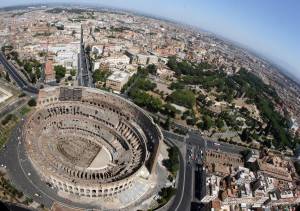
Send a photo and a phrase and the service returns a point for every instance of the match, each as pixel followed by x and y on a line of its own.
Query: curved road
pixel 25 178
pixel 184 193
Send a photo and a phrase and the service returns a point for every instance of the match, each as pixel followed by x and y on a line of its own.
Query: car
pixel 29 174
pixel 37 195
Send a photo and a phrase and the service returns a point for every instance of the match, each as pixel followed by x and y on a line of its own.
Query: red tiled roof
pixel 49 68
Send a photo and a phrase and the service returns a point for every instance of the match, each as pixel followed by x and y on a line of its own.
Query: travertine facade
pixel 88 142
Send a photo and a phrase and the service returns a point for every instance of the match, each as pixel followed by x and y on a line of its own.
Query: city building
pixel 116 61
pixel 274 171
pixel 212 188
pixel 49 72
pixel 117 80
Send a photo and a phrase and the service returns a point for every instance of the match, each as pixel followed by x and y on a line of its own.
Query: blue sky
pixel 270 27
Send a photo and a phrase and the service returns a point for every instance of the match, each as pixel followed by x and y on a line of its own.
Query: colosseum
pixel 87 142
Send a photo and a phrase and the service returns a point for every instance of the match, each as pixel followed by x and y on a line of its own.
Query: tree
pixel 32 69
pixel 169 110
pixel 142 72
pixel 167 124
pixel 33 78
pixel 23 94
pixel 176 85
pixel 207 122
pixel 155 104
pixel 152 69
pixel 191 121
pixel 42 54
pixel 32 102
pixel 73 72
pixel 20 194
pixel 60 72
pixel 245 136
pixel 88 49
pixel 101 75
pixel 7 77
pixel 220 123
pixel 165 194
pixel 172 63
pixel 28 67
pixel 7 119
pixel 38 73
pixel 144 84
pixel 183 97
pixel 143 99
pixel 172 164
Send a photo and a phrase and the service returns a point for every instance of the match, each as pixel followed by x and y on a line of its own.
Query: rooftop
pixel 118 76
pixel 49 68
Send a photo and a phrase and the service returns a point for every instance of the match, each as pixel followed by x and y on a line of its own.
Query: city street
pixel 195 138
pixel 191 182
pixel 16 104
pixel 24 85
pixel 186 181
pixel 183 195
pixel 84 75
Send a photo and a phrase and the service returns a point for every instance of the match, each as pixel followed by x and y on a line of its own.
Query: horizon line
pixel 285 71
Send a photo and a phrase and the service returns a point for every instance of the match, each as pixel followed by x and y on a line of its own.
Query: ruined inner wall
pixel 89 142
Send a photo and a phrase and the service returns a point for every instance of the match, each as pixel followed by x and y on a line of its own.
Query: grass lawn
pixel 5 130
pixel 24 110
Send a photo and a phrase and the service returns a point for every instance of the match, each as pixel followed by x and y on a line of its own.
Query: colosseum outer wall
pixel 93 98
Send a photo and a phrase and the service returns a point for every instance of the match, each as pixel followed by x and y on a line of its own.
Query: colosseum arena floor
pixel 93 146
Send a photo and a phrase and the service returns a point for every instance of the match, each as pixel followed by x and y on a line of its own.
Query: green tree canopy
pixel 60 72
pixel 152 69
pixel 101 75
pixel 73 72
pixel 32 102
pixel 183 97
pixel 207 122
